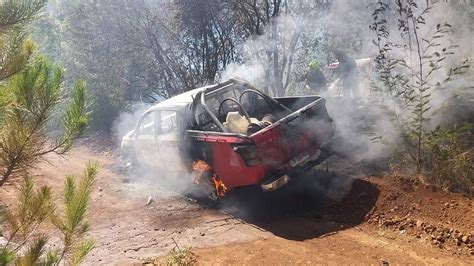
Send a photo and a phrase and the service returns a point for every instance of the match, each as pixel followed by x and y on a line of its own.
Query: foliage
pixel 72 224
pixel 450 158
pixel 30 94
pixel 144 51
pixel 30 99
pixel 33 208
pixel 413 70
pixel 14 13
pixel 15 48
pixel 25 246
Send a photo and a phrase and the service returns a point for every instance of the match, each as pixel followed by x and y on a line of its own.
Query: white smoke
pixel 251 72
pixel 346 27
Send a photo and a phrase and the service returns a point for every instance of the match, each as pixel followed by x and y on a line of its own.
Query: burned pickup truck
pixel 231 135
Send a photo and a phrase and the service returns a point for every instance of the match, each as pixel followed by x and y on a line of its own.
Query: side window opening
pixel 167 122
pixel 147 124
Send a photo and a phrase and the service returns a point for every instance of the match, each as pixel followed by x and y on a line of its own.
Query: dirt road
pixel 379 220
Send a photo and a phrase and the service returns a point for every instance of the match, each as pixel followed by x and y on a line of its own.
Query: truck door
pixel 167 141
pixel 145 144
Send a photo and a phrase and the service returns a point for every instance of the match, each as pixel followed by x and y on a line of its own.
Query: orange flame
pixel 221 189
pixel 201 167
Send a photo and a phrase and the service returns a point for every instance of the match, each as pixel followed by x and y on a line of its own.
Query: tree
pixel 88 34
pixel 208 35
pixel 120 48
pixel 275 29
pixel 14 46
pixel 25 246
pixel 414 71
pixel 131 51
pixel 31 94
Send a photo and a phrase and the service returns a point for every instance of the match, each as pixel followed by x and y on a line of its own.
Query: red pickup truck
pixel 231 135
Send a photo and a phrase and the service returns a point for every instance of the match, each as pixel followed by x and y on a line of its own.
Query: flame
pixel 200 167
pixel 221 189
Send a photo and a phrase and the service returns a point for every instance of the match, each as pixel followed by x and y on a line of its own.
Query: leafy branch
pixel 35 207
pixel 33 96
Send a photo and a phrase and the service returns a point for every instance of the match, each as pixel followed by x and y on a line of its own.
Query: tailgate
pixel 295 138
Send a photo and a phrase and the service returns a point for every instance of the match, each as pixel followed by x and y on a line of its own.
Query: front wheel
pixel 131 164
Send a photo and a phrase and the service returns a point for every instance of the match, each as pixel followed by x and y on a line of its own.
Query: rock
pixel 149 201
pixel 465 239
pixel 191 200
pixel 419 224
pixel 100 189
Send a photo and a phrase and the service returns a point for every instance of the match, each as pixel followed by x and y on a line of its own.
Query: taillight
pixel 249 153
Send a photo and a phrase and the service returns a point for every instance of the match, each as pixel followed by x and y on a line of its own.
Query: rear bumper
pixel 277 181
pixel 274 183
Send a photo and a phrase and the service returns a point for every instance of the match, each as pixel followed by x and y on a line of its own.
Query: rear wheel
pixel 205 190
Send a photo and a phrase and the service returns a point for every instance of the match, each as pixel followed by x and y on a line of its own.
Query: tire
pixel 131 164
pixel 205 191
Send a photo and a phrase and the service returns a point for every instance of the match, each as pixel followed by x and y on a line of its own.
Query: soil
pixel 346 216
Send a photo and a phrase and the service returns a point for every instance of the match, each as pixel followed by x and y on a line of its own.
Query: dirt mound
pixel 446 220
pixel 400 202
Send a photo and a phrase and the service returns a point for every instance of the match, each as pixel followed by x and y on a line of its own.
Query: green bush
pixel 450 158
